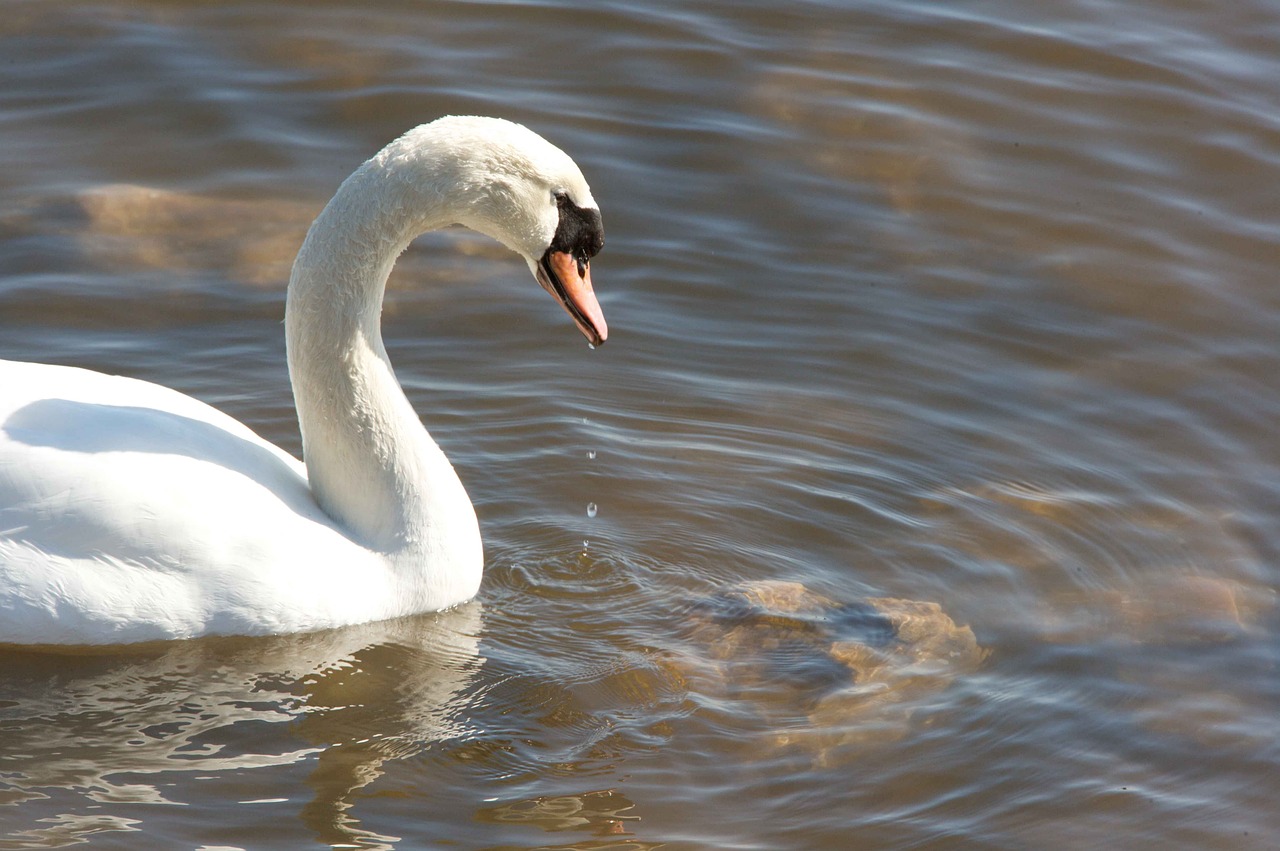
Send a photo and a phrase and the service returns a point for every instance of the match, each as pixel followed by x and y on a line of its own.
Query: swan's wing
pixel 128 510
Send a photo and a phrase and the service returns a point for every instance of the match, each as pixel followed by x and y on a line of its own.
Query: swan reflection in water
pixel 108 728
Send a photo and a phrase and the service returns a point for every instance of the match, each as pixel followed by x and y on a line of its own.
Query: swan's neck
pixel 371 464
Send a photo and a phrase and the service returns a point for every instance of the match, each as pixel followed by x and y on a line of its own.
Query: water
pixel 965 304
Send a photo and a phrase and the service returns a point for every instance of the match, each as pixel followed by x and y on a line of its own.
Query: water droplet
pixel 591 455
pixel 591 346
pixel 585 545
pixel 591 509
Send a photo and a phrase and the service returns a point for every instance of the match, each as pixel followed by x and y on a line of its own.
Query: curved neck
pixel 372 466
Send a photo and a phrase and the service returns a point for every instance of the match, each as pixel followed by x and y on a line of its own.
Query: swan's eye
pixel 579 232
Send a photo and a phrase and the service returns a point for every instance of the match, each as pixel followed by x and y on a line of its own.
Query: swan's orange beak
pixel 570 282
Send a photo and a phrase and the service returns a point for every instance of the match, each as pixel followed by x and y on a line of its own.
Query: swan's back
pixel 130 512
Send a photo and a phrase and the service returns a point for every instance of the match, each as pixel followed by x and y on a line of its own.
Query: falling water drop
pixel 591 455
pixel 591 509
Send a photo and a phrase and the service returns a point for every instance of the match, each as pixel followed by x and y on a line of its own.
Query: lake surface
pixel 968 304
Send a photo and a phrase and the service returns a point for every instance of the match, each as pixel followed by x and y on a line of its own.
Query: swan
pixel 130 512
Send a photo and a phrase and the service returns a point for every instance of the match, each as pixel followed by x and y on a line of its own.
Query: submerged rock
pixel 854 670
pixel 1173 610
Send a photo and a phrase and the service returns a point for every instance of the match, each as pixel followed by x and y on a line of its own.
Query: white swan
pixel 130 512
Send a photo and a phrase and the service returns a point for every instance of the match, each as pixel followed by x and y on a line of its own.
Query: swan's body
pixel 130 512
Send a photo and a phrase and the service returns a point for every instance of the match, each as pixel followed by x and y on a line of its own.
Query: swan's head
pixel 504 180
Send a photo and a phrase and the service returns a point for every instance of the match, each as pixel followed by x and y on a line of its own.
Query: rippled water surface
pixel 967 307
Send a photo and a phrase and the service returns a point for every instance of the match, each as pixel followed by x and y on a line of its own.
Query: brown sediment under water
pixel 926 495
